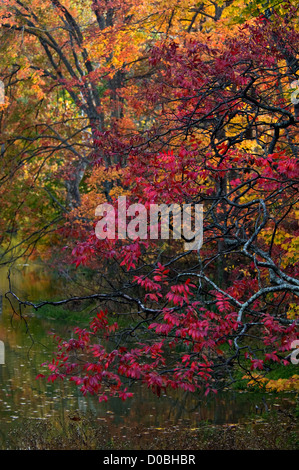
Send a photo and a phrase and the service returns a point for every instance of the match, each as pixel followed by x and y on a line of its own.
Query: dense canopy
pixel 160 102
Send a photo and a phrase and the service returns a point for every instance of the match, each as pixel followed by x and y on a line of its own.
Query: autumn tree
pixel 66 66
pixel 222 135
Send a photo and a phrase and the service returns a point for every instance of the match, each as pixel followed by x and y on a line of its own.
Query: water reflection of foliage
pixel 77 431
pixel 21 396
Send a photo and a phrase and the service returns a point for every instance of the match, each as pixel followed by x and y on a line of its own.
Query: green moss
pixel 66 315
pixel 283 372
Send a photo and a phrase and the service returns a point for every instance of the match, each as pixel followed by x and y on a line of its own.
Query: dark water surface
pixel 22 396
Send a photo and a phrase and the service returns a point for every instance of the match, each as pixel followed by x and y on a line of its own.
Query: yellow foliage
pixel 278 385
pixel 293 311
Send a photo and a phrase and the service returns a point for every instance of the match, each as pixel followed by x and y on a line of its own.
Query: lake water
pixel 22 396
